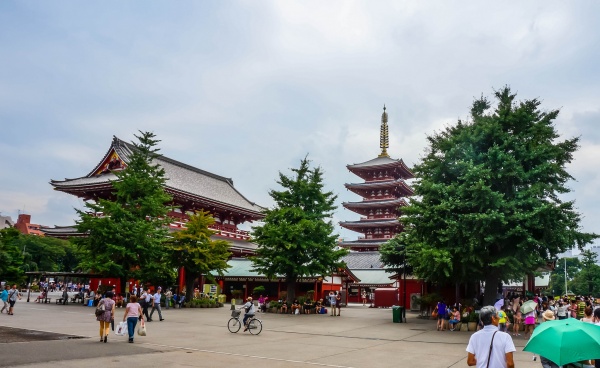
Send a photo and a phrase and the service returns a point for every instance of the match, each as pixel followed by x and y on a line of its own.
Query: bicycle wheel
pixel 255 326
pixel 234 325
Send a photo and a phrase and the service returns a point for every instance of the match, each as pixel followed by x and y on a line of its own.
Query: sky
pixel 245 89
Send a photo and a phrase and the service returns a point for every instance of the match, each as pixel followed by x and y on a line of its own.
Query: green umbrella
pixel 565 341
pixel 528 306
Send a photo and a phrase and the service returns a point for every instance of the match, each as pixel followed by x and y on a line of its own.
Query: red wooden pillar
pixel 181 279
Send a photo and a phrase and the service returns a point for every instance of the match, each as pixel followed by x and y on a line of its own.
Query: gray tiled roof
pixel 371 223
pixel 383 202
pixel 378 161
pixel 363 261
pixel 180 178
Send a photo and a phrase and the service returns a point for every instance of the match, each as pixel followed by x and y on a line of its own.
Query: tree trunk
pixel 189 285
pixel 491 288
pixel 291 289
pixel 123 284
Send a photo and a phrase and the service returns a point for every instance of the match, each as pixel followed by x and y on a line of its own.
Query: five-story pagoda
pixel 383 192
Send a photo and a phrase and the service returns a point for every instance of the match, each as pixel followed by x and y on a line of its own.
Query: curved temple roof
pixel 182 179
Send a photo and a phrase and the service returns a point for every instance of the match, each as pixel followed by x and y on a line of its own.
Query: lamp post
pixel 566 276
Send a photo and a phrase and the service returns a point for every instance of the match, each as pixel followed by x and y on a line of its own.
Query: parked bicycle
pixel 254 324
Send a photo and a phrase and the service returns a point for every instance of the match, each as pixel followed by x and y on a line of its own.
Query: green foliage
pixel 193 249
pixel 473 317
pixel 126 233
pixel 587 281
pixel 297 236
pixel 23 253
pixel 487 201
pixel 11 256
pixel 237 294
pixel 557 276
pixel 47 254
pixel 259 290
pixel 393 254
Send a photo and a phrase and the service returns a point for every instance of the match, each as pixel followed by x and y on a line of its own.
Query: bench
pixel 61 300
pixel 47 300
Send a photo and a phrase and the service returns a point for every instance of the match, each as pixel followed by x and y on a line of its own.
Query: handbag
pixel 121 329
pixel 142 329
pixel 100 309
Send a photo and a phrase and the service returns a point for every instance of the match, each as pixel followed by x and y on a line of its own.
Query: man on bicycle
pixel 249 308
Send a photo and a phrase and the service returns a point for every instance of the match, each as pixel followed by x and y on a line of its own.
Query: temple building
pixel 383 194
pixel 192 189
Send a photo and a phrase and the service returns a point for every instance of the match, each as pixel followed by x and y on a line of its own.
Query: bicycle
pixel 234 324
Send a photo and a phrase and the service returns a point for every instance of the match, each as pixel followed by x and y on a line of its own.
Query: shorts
pixel 454 321
pixel 12 303
pixel 530 320
pixel 441 316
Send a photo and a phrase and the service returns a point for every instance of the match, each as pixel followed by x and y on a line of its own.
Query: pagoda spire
pixel 384 140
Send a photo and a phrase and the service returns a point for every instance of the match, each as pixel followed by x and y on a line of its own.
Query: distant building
pixel 5 222
pixel 25 226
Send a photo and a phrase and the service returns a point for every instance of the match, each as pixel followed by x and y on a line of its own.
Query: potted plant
pixel 237 295
pixel 473 318
pixel 259 290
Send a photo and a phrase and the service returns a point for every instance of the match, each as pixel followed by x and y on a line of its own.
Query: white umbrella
pixel 499 304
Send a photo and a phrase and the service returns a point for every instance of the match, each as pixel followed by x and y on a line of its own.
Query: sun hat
pixel 548 315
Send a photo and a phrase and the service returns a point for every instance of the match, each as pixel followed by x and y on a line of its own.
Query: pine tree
pixel 297 237
pixel 487 202
pixel 126 233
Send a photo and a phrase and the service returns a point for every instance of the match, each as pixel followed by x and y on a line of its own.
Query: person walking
pixel 4 298
pixel 332 302
pixel 13 295
pixel 145 302
pixel 156 304
pixel 338 302
pixel 133 313
pixel 105 317
pixel 364 297
pixel 489 347
pixel 168 296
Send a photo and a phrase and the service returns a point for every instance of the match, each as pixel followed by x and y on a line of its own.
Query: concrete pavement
pixel 361 337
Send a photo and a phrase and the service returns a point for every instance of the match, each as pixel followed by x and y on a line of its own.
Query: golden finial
pixel 384 140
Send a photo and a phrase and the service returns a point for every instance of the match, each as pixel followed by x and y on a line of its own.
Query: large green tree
pixel 587 280
pixel 487 202
pixel 126 233
pixel 297 236
pixel 194 249
pixel 11 256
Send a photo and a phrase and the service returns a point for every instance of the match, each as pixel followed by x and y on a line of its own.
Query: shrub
pixel 259 290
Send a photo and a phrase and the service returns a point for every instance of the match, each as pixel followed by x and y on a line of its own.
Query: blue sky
pixel 245 89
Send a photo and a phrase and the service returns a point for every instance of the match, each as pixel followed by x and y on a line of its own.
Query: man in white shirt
pixel 156 304
pixel 145 303
pixel 489 343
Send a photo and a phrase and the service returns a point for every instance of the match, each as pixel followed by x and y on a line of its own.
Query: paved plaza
pixel 361 337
